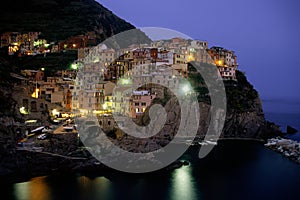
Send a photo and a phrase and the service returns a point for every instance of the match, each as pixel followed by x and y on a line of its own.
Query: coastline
pixel 32 164
pixel 286 147
pixel 243 139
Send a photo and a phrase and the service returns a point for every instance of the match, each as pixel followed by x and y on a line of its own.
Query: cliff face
pixel 244 116
pixel 244 119
pixel 60 19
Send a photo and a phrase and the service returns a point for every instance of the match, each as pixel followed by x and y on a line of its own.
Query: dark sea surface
pixel 233 170
pixel 283 113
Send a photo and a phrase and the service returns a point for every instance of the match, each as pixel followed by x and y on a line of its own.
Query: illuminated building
pixel 139 102
pixel 225 60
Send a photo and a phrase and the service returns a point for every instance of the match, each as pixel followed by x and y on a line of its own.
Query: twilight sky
pixel 265 34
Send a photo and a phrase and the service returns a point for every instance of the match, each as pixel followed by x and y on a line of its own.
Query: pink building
pixel 139 101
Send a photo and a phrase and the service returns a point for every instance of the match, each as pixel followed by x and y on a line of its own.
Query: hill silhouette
pixel 60 19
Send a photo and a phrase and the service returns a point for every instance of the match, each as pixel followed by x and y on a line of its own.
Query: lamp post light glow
pixel 55 112
pixel 74 66
pixel 23 111
pixel 186 89
pixel 125 81
pixel 35 94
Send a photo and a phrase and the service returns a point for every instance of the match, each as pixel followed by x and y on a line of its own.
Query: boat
pixel 68 128
pixel 211 142
pixel 37 129
pixel 47 130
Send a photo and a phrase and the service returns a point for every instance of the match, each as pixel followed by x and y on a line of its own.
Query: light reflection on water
pixel 263 173
pixel 35 189
pixel 183 186
pixel 94 188
pixel 233 170
pixel 21 190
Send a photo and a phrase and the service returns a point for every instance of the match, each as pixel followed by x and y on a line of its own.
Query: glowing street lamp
pixel 55 112
pixel 186 89
pixel 125 81
pixel 74 66
pixel 35 94
pixel 23 111
pixel 219 62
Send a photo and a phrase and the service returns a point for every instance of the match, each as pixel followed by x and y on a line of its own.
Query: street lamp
pixel 186 89
pixel 74 66
pixel 23 111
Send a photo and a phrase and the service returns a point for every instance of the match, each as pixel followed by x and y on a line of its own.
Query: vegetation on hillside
pixel 241 96
pixel 58 20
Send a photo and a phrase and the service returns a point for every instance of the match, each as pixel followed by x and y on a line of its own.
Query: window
pixel 136 104
pixel 33 106
pixel 25 103
pixel 143 103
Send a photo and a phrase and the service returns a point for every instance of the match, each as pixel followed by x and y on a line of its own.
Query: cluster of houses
pixel 107 76
pixel 31 43
pixel 104 80
pixel 25 44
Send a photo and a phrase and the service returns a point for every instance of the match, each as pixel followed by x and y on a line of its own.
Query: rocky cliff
pixel 244 118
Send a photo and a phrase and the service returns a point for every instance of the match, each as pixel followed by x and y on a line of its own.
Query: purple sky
pixel 263 33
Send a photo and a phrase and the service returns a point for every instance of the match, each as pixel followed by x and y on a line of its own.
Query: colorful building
pixel 139 102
